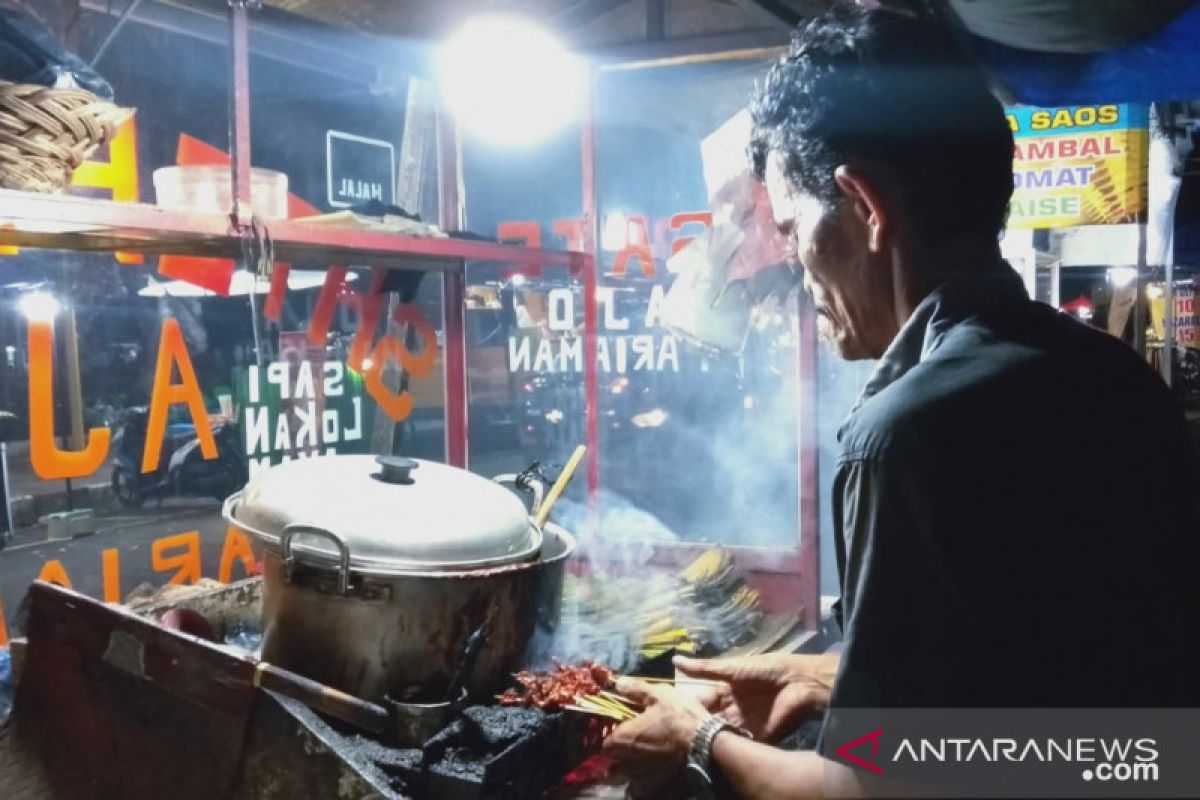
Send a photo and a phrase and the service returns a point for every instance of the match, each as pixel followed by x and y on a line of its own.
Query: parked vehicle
pixel 183 471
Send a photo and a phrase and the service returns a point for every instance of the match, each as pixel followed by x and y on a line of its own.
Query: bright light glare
pixel 508 80
pixel 614 234
pixel 1120 277
pixel 650 419
pixel 518 280
pixel 38 306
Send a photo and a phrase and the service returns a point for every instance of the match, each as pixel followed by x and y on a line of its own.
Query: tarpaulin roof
pixel 1165 66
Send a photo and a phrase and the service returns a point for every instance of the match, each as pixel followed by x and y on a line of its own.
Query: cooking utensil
pixel 376 572
pixel 542 514
pixel 386 515
pixel 414 724
pixel 475 643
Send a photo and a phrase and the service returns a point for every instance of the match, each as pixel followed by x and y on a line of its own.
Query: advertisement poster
pixel 300 406
pixel 1078 165
pixel 1185 313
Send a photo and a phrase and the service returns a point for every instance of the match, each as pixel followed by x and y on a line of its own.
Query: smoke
pixel 617 540
pixel 595 621
pixel 722 468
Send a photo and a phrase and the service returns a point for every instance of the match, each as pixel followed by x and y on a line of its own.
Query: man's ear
pixel 865 199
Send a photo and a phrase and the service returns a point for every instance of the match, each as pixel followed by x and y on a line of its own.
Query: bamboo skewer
pixel 594 712
pixel 560 485
pixel 674 681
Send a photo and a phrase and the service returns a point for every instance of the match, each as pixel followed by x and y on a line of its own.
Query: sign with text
pixel 359 170
pixel 300 406
pixel 1078 165
pixel 1184 297
pixel 551 341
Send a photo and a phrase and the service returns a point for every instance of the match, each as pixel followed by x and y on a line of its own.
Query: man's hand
pixel 770 694
pixel 657 741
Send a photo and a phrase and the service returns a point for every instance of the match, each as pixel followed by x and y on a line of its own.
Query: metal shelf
pixel 80 223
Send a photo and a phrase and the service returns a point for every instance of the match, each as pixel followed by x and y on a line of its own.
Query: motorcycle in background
pixel 182 469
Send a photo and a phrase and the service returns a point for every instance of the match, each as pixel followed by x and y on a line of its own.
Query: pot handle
pixel 289 559
pixel 520 482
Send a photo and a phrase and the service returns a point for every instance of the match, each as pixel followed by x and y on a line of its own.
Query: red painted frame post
pixel 454 289
pixel 808 462
pixel 239 110
pixel 591 278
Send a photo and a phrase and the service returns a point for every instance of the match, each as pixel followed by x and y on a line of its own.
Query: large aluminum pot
pixel 376 573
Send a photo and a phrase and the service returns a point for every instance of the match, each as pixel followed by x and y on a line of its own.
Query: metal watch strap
pixel 700 750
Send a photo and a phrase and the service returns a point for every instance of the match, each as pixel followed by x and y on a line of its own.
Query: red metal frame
pixel 239 112
pixel 809 475
pixel 89 224
pixel 591 277
pixel 454 293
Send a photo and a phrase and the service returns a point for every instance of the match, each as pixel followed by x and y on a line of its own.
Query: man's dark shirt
pixel 1015 516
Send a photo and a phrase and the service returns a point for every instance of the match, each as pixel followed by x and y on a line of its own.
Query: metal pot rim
pixel 391 514
pixel 393 568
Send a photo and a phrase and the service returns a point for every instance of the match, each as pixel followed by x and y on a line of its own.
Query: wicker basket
pixel 46 133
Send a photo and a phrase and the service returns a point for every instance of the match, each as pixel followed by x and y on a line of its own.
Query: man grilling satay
pixel 1013 506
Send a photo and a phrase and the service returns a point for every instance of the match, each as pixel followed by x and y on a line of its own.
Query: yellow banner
pixel 1078 165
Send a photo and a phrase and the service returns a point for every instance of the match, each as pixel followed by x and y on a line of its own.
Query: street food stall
pixel 369 406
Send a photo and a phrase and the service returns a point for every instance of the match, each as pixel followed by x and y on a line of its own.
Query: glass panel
pixel 524 356
pixel 308 367
pixel 704 440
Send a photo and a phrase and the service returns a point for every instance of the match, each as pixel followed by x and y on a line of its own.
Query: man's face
pixel 851 287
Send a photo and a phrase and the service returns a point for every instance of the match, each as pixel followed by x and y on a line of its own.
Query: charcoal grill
pixel 91 722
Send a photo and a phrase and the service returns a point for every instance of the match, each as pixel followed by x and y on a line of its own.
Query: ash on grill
pixel 489 753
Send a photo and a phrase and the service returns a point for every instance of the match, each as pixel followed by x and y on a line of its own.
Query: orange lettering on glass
pixel 49 461
pixel 54 572
pixel 111 571
pixel 237 548
pixel 173 352
pixel 679 220
pixel 185 562
pixel 529 234
pixel 368 305
pixel 418 365
pixel 571 230
pixel 119 174
pixel 637 246
pixel 273 307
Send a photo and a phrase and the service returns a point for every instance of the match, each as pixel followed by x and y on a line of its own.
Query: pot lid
pixel 392 514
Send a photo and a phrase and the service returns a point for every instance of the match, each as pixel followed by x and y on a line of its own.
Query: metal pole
pixel 74 382
pixel 4 478
pixel 1155 243
pixel 454 291
pixel 591 274
pixel 58 366
pixel 239 108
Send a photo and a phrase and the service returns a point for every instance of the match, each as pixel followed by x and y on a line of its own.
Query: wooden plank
pixel 93 712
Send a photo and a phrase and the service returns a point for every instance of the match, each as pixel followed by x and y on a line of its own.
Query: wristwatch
pixel 700 772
